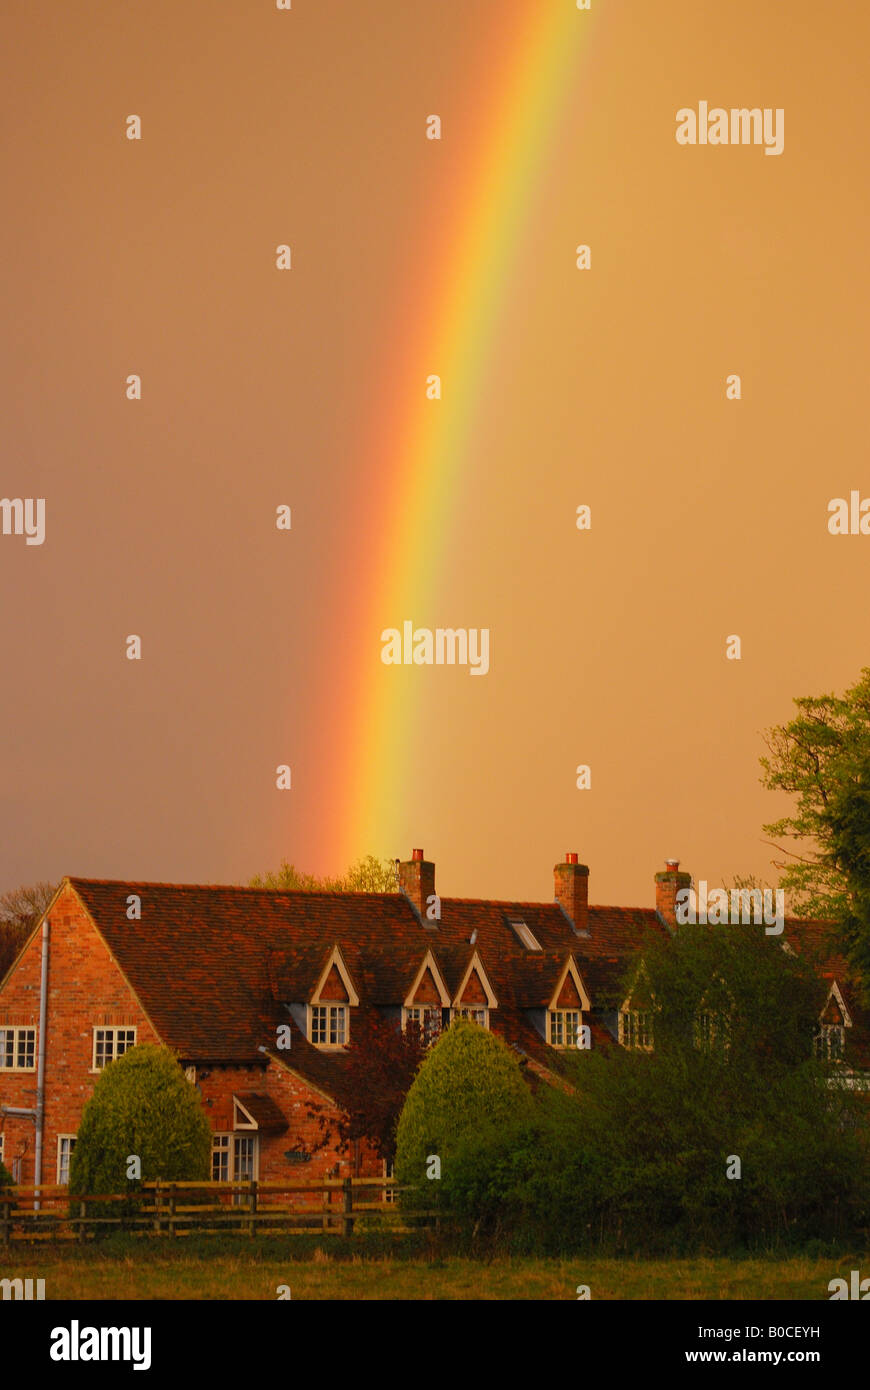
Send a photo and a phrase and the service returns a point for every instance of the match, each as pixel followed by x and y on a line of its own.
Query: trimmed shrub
pixel 468 1079
pixel 142 1105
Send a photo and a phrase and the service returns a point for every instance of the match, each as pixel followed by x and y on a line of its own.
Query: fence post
pixel 7 1213
pixel 83 1230
pixel 157 1206
pixel 172 1231
pixel 347 1221
pixel 252 1225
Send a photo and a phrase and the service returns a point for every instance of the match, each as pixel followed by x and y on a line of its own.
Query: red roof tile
pixel 215 967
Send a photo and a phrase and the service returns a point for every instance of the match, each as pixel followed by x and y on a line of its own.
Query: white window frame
pixel 466 1010
pixel 630 1028
pixel 711 1029
pixel 224 1149
pixel 524 934
pixel 64 1153
pixel 823 1041
pixel 230 1148
pixel 559 1028
pixel 420 1014
pixel 19 1046
pixel 114 1030
pixel 329 1008
pixel 251 1139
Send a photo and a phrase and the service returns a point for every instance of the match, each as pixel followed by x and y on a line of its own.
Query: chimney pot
pixel 417 854
pixel 571 858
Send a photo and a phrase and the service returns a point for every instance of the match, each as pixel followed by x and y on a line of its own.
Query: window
pixel 329 1024
pixel 635 1028
pixel 426 1017
pixel 233 1158
pixel 831 1042
pixel 110 1043
pixel 244 1157
pixel 220 1157
pixel 18 1049
pixel 564 1027
pixel 705 1030
pixel 711 1031
pixel 476 1014
pixel 65 1145
pixel 525 935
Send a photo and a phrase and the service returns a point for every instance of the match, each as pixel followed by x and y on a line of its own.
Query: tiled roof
pixel 215 967
pixel 814 940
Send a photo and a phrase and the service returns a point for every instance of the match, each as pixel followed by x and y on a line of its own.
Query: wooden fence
pixel 180 1208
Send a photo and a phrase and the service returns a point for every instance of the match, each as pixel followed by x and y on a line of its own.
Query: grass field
pixel 256 1273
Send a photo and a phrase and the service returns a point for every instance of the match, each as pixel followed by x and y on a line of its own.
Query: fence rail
pixel 50 1212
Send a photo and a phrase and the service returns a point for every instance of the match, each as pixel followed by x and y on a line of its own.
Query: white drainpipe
pixel 40 1073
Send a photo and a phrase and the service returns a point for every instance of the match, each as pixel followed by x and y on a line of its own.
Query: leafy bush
pixel 636 1156
pixel 468 1079
pixel 142 1105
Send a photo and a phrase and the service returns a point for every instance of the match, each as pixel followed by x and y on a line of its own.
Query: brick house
pixel 228 977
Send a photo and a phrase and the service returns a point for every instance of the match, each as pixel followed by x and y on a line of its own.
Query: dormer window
pixel 636 1029
pixel 564 1027
pixel 329 1025
pixel 831 1042
pixel 330 1004
pixel 426 1017
pixel 474 998
pixel 473 1014
pixel 711 1031
pixel 524 934
pixel 635 1021
pixel 564 1017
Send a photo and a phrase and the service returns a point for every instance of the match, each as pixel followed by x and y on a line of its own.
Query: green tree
pixel 369 875
pixel 812 757
pixel 821 757
pixel 469 1078
pixel 731 1075
pixel 142 1106
pixel 636 1155
pixel 846 821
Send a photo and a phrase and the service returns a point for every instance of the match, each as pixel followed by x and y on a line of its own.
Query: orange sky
pixel 605 387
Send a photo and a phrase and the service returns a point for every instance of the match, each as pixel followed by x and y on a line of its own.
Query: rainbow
pixel 530 70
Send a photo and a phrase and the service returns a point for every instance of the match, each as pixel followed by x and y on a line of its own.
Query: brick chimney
pixel 417 881
pixel 572 891
pixel 668 885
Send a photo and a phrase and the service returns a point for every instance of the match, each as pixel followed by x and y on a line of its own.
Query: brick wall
pixel 86 989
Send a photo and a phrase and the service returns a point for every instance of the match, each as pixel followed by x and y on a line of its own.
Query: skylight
pixel 525 934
